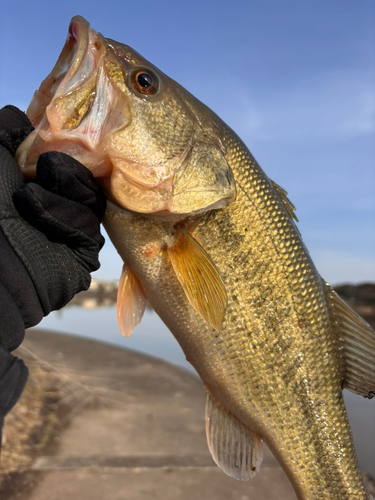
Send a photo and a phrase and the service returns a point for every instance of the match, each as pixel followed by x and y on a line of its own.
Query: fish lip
pixel 68 64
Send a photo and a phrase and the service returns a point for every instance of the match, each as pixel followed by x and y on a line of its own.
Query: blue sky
pixel 295 80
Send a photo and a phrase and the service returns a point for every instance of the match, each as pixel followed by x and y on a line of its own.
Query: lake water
pixel 152 337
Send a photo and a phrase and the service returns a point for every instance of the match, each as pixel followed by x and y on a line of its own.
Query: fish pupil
pixel 144 80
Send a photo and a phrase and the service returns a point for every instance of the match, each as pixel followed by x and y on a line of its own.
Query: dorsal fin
pixel 199 278
pixel 131 301
pixel 359 345
pixel 235 449
pixel 288 205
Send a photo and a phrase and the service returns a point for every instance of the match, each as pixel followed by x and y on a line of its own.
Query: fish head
pixel 153 146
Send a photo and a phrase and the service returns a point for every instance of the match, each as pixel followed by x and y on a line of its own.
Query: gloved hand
pixel 49 236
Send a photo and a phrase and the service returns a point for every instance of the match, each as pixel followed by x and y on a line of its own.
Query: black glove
pixel 49 231
pixel 49 243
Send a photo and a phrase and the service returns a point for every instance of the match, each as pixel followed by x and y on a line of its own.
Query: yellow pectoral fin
pixel 199 278
pixel 131 302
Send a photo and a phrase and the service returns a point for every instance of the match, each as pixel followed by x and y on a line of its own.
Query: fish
pixel 213 245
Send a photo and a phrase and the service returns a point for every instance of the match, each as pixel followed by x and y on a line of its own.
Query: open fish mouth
pixel 76 62
pixel 70 108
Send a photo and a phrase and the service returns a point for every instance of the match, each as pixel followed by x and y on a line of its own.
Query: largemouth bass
pixel 211 242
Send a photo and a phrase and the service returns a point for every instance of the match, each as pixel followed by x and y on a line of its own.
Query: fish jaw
pixel 149 149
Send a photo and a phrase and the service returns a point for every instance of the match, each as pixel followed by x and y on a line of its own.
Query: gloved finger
pixel 59 218
pixel 10 180
pixel 63 175
pixel 14 128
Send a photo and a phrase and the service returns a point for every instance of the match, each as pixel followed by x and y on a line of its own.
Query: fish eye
pixel 145 82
